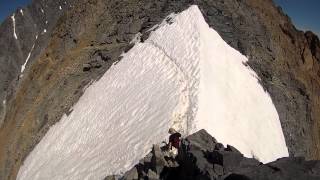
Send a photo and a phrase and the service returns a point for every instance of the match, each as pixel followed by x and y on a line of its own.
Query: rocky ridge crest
pixel 201 157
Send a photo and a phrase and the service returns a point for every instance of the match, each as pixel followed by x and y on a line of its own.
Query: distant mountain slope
pixel 24 35
pixel 89 37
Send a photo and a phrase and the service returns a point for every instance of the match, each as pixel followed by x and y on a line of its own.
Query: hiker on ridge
pixel 174 142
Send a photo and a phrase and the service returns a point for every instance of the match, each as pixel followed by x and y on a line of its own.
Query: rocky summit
pixel 201 157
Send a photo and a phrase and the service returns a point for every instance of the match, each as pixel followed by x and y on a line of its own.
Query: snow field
pixel 114 124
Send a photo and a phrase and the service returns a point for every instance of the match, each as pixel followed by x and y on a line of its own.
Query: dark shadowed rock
pixel 203 140
pixel 152 175
pixel 218 169
pixel 198 161
pixel 86 67
pixel 232 149
pixel 158 161
pixel 131 175
pixel 314 44
pixel 237 177
pixel 219 147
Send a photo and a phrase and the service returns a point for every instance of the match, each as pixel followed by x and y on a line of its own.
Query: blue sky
pixel 7 7
pixel 305 14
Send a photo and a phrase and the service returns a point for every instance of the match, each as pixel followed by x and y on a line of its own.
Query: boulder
pixel 158 161
pixel 232 149
pixel 86 67
pixel 152 175
pixel 203 140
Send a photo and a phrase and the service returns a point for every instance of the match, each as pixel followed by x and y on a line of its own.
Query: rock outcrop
pixel 202 157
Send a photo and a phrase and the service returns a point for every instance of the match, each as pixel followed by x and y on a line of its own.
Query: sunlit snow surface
pixel 184 75
pixel 23 67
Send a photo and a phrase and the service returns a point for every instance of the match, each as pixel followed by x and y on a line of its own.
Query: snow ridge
pixel 233 106
pixel 185 54
pixel 178 121
pixel 185 76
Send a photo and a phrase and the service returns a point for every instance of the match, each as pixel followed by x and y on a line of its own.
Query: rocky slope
pixel 202 157
pixel 24 35
pixel 85 37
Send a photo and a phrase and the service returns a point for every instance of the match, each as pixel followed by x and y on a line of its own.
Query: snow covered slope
pixel 185 76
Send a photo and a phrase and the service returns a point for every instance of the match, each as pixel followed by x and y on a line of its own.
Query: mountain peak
pixel 63 50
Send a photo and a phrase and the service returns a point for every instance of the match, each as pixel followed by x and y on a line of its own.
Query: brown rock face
pixel 314 44
pixel 91 35
pixel 295 70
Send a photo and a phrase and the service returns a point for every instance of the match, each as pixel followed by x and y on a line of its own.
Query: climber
pixel 174 142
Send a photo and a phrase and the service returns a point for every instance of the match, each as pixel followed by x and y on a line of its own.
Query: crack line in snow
pixel 166 54
pixel 185 94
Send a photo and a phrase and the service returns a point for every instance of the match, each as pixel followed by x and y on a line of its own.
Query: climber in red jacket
pixel 174 142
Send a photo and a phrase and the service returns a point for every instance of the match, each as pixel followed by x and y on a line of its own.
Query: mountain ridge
pixel 279 54
pixel 201 156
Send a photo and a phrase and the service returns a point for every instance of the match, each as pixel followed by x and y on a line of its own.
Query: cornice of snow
pixel 183 75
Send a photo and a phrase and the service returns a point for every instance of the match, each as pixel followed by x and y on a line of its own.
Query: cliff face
pixel 293 78
pixel 24 35
pixel 85 37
